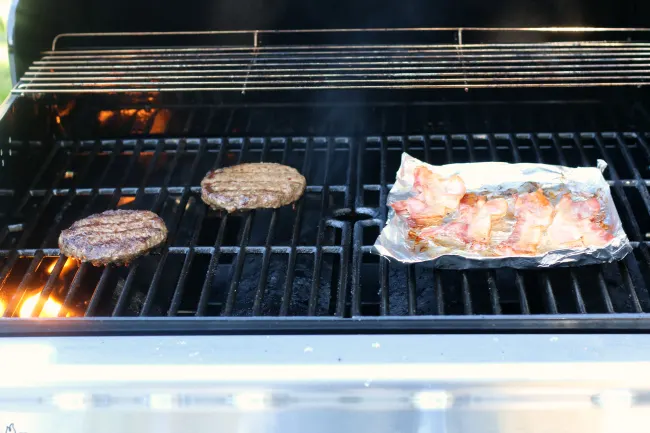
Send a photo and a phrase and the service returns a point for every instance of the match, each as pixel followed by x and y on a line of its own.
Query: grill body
pixel 273 320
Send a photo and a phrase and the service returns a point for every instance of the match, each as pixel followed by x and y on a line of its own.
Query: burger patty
pixel 252 186
pixel 114 236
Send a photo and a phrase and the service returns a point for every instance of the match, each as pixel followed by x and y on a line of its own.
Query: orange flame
pixel 3 307
pixel 104 116
pixel 51 308
pixel 160 122
pixel 125 200
pixel 141 119
pixel 69 264
pixel 64 111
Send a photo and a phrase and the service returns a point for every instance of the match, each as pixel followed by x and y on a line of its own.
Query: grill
pixel 309 268
pixel 269 64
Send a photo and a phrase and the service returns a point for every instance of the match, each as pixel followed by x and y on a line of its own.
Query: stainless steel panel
pixel 380 383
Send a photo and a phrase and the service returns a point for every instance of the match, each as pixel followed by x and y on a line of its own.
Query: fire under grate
pixel 313 260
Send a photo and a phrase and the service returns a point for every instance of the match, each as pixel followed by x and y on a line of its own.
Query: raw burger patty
pixel 114 236
pixel 252 186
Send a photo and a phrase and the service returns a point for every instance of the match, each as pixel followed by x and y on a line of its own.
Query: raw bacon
pixel 499 214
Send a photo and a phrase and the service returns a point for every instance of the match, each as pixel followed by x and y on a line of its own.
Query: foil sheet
pixel 495 179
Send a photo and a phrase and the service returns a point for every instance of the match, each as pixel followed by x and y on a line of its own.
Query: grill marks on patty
pixel 115 236
pixel 252 186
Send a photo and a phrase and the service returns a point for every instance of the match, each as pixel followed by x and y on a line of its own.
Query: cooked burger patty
pixel 114 236
pixel 252 186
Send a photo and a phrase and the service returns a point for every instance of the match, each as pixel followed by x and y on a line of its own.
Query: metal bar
pixel 177 297
pixel 72 291
pixel 266 255
pixel 217 52
pixel 344 259
pixel 30 273
pixel 577 292
pixel 523 300
pixel 49 287
pixel 551 304
pixel 605 292
pixel 261 33
pixel 535 79
pixel 618 188
pixel 158 88
pixel 440 296
pixel 125 294
pixel 410 268
pixel 153 287
pixel 239 266
pixel 580 303
pixel 494 293
pixel 216 254
pixel 291 263
pixel 346 235
pixel 318 258
pixel 95 299
pixel 116 193
pixel 13 257
pixel 261 61
pixel 566 324
pixel 629 285
pixel 383 262
pixel 467 298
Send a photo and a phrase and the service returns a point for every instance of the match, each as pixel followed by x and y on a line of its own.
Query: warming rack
pixel 257 60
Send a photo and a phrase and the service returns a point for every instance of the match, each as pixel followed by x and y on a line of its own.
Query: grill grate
pixel 456 62
pixel 314 260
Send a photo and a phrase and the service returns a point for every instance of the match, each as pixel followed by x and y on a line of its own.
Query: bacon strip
pixel 437 197
pixel 473 225
pixel 534 213
pixel 577 224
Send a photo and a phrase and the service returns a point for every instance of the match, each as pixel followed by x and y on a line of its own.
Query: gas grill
pixel 137 128
pixel 242 316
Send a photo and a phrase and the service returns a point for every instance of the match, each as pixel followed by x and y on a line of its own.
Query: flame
pixel 69 264
pixel 125 200
pixel 3 307
pixel 51 308
pixel 141 119
pixel 64 111
pixel 160 122
pixel 104 116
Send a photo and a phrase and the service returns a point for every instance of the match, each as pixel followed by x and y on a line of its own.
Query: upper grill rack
pixel 457 58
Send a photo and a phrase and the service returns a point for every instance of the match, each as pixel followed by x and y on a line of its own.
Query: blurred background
pixel 5 76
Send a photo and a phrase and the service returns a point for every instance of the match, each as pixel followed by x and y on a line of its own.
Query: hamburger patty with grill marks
pixel 252 186
pixel 114 236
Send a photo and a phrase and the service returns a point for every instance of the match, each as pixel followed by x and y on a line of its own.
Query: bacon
pixel 577 223
pixel 533 213
pixel 437 197
pixel 480 226
pixel 473 225
pixel 452 234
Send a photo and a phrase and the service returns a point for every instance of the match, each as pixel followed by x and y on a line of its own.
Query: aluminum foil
pixel 499 179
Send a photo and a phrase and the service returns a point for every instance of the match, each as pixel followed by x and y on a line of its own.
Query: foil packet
pixel 496 214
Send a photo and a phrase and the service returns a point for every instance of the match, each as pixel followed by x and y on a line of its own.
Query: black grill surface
pixel 308 268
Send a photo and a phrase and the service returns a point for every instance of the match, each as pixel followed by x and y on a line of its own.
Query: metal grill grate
pixel 300 66
pixel 314 260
